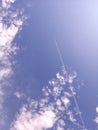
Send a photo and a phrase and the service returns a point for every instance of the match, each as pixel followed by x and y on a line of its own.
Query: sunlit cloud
pixel 6 3
pixel 53 110
pixel 96 109
pixel 10 24
pixel 96 118
pixel 28 120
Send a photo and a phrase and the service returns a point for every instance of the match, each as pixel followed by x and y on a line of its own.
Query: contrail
pixel 74 98
pixel 59 53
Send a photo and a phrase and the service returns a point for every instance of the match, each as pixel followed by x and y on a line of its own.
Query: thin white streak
pixel 75 100
pixel 59 53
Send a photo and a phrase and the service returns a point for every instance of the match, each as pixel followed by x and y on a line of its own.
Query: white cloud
pixel 96 118
pixel 19 95
pixel 8 33
pixel 52 110
pixel 10 25
pixel 61 78
pixel 29 121
pixel 6 3
pixel 72 76
pixel 71 116
pixel 60 125
pixel 5 72
pixel 66 101
pixel 96 109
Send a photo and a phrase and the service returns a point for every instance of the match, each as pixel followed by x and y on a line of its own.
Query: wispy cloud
pixel 19 95
pixel 10 24
pixel 53 110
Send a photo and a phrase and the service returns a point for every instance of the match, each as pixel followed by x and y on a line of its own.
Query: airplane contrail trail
pixel 59 53
pixel 74 98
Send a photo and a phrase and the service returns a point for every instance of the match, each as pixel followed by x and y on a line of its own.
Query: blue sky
pixel 35 93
